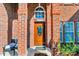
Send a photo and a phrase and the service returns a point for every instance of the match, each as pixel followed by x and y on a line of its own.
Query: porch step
pixel 40 48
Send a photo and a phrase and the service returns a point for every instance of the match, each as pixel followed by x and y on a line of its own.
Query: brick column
pixel 22 29
pixel 56 22
pixel 3 27
pixel 55 26
pixel 48 23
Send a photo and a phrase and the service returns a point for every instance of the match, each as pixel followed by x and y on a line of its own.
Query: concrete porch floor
pixel 32 51
pixel 10 53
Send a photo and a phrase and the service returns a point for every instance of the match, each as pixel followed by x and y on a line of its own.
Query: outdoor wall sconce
pixel 39 29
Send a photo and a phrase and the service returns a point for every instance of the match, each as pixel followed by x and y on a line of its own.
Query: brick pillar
pixel 48 24
pixel 3 27
pixel 14 29
pixel 55 26
pixel 22 29
pixel 32 32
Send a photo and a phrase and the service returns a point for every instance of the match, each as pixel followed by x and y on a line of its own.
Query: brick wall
pixel 56 22
pixel 22 29
pixel 48 23
pixel 3 27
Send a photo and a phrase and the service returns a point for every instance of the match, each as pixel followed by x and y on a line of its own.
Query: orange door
pixel 38 34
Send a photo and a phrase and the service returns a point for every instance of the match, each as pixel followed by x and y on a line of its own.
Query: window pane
pixel 69 37
pixel 69 32
pixel 42 14
pixel 77 36
pixel 39 14
pixel 77 31
pixel 68 26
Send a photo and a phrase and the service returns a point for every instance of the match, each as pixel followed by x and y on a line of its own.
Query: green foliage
pixel 76 48
pixel 68 49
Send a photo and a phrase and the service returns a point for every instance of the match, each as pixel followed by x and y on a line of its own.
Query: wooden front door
pixel 38 34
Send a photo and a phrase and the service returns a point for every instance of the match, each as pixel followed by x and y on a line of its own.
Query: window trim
pixel 67 31
pixel 39 7
pixel 62 33
pixel 77 22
